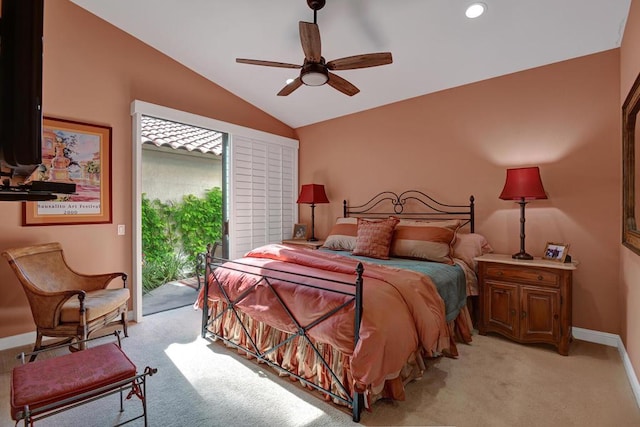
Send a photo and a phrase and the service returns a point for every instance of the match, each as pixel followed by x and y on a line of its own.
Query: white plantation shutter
pixel 263 183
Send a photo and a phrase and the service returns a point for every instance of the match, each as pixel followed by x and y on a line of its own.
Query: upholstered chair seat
pixel 96 303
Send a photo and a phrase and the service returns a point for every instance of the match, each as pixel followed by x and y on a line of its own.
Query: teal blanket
pixel 449 279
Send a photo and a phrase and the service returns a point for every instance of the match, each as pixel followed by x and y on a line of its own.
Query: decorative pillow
pixel 425 240
pixel 342 236
pixel 374 237
pixel 468 246
pixel 453 224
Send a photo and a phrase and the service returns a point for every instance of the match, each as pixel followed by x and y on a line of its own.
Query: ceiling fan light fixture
pixel 314 74
pixel 313 78
pixel 475 10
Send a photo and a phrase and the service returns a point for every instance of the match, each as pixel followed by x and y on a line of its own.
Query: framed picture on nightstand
pixel 299 232
pixel 556 251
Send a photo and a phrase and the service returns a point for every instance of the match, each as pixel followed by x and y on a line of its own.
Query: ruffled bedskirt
pixel 298 357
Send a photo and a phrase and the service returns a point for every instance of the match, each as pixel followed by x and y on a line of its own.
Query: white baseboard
pixel 612 340
pixel 17 340
pixel 597 337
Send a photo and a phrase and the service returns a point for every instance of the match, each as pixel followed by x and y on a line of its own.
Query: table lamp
pixel 312 194
pixel 522 185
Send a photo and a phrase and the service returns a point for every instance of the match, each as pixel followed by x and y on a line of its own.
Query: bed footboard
pixel 341 390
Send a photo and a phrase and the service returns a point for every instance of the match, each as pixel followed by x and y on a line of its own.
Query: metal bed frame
pixel 431 210
pixel 355 297
pixel 417 204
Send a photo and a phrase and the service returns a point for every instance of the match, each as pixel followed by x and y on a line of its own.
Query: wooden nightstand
pixel 301 242
pixel 526 301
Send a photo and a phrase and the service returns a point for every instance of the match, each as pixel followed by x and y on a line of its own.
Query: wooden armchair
pixel 65 303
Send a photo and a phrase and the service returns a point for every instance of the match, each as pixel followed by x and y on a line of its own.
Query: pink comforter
pixel 403 314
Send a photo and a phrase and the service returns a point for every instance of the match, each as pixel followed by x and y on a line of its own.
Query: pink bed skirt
pixel 298 357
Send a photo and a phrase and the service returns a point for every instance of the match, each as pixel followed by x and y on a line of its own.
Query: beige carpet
pixel 495 382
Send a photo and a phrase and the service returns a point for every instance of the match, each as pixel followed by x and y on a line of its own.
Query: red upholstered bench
pixel 46 387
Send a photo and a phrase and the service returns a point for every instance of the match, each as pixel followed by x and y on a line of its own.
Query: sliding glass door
pixel 260 181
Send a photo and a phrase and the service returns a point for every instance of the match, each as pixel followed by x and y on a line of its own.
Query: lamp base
pixel 313 239
pixel 522 255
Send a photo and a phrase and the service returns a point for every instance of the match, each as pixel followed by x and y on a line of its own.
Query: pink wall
pixel 563 117
pixel 630 262
pixel 92 72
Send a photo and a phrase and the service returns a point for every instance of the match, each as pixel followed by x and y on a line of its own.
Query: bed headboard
pixel 411 204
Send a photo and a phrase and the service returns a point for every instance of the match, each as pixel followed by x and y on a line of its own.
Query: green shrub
pixel 199 221
pixel 155 230
pixel 173 233
pixel 161 270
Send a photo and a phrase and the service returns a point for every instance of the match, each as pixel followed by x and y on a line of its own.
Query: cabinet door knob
pixel 540 277
pixel 523 314
pixel 499 273
pixel 513 311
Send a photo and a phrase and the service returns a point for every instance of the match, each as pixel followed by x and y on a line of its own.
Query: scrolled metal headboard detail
pixel 421 206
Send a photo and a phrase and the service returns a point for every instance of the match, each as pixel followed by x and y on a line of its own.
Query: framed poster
pixel 78 153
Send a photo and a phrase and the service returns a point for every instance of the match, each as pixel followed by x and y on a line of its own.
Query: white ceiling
pixel 434 45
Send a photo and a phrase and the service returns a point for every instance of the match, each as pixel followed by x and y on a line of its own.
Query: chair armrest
pixel 112 276
pixel 93 282
pixel 46 306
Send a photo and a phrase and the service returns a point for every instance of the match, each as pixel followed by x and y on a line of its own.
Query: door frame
pixel 142 108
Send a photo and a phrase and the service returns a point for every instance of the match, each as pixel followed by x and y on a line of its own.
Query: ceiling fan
pixel 315 71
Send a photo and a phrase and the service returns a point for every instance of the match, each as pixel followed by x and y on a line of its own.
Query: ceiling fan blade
pixel 310 39
pixel 361 61
pixel 290 87
pixel 342 85
pixel 266 63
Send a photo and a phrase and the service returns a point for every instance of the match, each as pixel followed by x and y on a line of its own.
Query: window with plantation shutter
pixel 263 183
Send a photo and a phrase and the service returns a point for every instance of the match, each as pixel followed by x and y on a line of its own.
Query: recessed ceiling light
pixel 475 10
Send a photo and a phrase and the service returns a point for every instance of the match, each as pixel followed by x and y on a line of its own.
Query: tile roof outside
pixel 161 132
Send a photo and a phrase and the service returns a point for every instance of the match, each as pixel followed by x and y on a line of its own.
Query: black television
pixel 21 31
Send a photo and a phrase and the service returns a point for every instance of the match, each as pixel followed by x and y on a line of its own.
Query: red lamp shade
pixel 523 183
pixel 312 194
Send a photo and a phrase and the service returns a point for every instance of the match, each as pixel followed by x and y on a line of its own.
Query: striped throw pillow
pixel 342 236
pixel 424 241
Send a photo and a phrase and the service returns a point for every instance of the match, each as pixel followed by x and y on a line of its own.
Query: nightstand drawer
pixel 532 275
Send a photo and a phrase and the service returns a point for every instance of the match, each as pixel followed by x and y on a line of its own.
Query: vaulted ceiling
pixel 434 45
